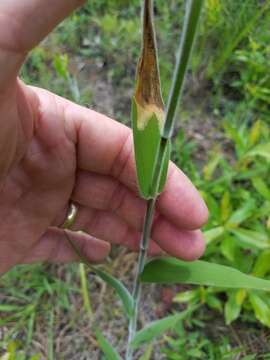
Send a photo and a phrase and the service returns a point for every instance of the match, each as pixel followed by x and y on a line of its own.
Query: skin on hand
pixel 53 151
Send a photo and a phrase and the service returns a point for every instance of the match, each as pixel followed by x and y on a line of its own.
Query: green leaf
pixel 262 264
pixel 60 63
pixel 211 166
pixel 262 150
pixel 254 239
pixel 261 187
pixel 226 206
pixel 255 133
pixel 9 308
pixel 146 145
pixel 213 302
pixel 106 347
pixel 261 309
pixel 120 289
pixel 148 353
pixel 118 286
pixel 228 248
pixel 158 328
pixel 232 308
pixel 213 234
pixel 241 214
pixel 186 296
pixel 171 271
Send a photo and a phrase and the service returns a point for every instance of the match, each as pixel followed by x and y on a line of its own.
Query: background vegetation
pixel 222 143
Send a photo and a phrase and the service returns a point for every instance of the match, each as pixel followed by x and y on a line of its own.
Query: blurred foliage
pixel 236 187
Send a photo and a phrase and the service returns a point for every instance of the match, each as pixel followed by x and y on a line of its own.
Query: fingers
pixel 105 147
pixel 177 205
pixel 183 244
pixel 181 203
pixel 187 245
pixel 54 247
pixel 109 227
pixel 23 24
pixel 102 192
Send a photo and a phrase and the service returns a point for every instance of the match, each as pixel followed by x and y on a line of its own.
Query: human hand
pixel 53 151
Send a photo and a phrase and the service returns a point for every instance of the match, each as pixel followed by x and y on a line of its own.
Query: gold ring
pixel 71 216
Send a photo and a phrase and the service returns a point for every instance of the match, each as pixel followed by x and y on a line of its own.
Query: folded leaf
pixel 146 145
pixel 148 113
pixel 171 271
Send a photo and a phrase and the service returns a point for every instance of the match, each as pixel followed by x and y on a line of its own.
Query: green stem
pixel 148 221
pixel 137 284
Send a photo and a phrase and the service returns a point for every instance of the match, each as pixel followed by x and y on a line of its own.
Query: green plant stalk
pixel 194 8
pixel 193 12
pixel 148 221
pixel 137 283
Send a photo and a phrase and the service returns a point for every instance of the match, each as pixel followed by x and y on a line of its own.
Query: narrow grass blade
pixel 9 308
pixel 193 12
pixel 51 336
pixel 120 289
pixel 148 353
pixel 171 271
pixel 106 347
pixel 158 328
pixel 85 291
pixel 117 285
pixel 232 45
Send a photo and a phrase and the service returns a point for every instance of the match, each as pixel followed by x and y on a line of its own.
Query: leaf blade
pixel 106 347
pixel 158 327
pixel 171 271
pixel 120 289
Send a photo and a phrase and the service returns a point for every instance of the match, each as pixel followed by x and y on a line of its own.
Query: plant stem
pixel 141 262
pixel 148 221
pixel 194 8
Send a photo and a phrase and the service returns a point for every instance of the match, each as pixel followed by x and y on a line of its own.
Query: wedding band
pixel 71 216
